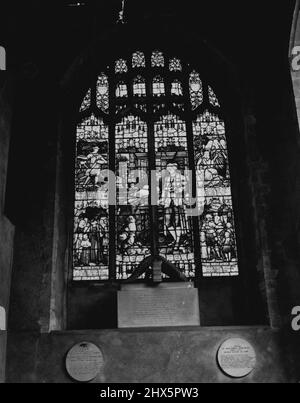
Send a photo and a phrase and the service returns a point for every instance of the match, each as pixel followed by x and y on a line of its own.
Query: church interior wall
pixel 45 317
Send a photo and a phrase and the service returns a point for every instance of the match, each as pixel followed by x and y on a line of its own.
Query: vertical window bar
pixel 112 167
pixel 192 166
pixel 151 154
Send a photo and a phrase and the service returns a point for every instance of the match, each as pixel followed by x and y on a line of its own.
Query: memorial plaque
pixel 168 304
pixel 237 358
pixel 84 362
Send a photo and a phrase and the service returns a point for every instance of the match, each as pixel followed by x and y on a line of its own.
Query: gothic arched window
pixel 146 114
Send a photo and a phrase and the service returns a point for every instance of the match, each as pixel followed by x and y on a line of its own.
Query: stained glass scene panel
pixel 175 227
pixel 103 93
pixel 196 90
pixel 91 224
pixel 217 234
pixel 132 226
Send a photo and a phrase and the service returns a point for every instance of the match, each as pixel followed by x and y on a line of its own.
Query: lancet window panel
pixel 91 219
pixel 175 226
pixel 217 229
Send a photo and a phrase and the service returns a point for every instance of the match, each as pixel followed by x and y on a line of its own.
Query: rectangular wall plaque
pixel 168 304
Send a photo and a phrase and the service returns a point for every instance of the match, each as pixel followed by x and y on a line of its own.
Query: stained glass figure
pixel 212 97
pixel 139 86
pixel 196 90
pixel 218 239
pixel 174 225
pixel 103 92
pixel 86 102
pixel 176 88
pixel 158 86
pixel 133 236
pixel 91 223
pixel 157 59
pixel 138 60
pixel 175 65
pixel 121 91
pixel 121 66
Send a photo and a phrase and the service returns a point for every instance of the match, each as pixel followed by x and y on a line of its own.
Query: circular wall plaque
pixel 237 357
pixel 84 362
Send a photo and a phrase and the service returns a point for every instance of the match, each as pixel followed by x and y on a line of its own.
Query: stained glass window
pixel 141 133
pixel 86 102
pixel 138 60
pixel 103 92
pixel 196 90
pixel 157 59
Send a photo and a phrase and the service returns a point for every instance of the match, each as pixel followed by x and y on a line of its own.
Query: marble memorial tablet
pixel 84 362
pixel 169 304
pixel 236 358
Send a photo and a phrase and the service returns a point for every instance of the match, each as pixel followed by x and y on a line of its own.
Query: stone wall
pixel 148 355
pixel 6 228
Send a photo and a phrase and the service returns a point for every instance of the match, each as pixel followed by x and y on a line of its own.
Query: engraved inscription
pixel 84 362
pixel 237 357
pixel 158 307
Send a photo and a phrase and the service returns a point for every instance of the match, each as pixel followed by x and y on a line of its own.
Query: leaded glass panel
pixel 103 92
pixel 86 102
pixel 157 59
pixel 217 237
pixel 138 60
pixel 212 97
pixel 91 221
pixel 196 90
